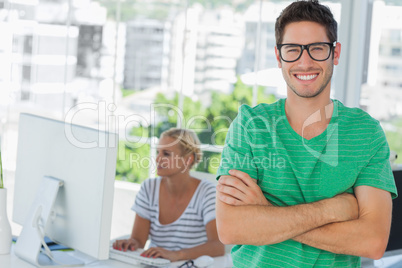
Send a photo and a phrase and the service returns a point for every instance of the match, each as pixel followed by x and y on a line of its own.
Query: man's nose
pixel 305 58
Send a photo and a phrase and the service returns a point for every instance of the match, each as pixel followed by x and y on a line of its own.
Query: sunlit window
pixel 141 67
pixel 382 95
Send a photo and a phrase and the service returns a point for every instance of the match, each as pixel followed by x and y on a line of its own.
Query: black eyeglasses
pixel 317 51
pixel 187 264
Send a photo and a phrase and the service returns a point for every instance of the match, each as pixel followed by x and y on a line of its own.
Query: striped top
pixel 189 229
pixel 291 170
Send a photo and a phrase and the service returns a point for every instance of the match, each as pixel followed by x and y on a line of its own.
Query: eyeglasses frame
pixel 307 48
pixel 187 264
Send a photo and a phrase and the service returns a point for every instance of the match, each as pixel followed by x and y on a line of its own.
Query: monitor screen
pixel 85 160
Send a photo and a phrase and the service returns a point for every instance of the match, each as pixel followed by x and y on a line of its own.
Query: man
pixel 306 181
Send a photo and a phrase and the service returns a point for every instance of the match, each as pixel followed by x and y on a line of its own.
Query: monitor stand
pixel 29 244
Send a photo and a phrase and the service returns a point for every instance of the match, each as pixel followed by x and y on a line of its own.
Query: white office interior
pixel 79 62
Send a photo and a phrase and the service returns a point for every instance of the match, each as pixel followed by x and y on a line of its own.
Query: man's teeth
pixel 306 77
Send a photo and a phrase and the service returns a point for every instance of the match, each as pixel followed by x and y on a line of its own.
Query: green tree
pixel 210 123
pixel 133 158
pixel 394 138
pixel 162 10
pixel 134 161
pixel 131 10
pixel 192 115
pixel 224 109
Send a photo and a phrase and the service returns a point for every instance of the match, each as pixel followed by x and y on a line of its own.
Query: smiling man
pixel 330 200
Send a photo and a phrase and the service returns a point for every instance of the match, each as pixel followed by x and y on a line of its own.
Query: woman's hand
pixel 126 244
pixel 158 252
pixel 240 189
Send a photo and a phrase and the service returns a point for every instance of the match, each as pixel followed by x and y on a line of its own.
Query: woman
pixel 175 210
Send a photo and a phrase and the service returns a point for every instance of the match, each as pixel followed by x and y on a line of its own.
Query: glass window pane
pixel 129 65
pixel 382 95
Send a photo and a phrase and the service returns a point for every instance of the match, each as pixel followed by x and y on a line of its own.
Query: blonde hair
pixel 188 141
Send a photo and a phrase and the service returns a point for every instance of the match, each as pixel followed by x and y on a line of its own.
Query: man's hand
pixel 349 208
pixel 240 202
pixel 240 189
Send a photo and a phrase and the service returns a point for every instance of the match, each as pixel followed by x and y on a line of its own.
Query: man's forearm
pixel 367 236
pixel 262 225
pixel 343 238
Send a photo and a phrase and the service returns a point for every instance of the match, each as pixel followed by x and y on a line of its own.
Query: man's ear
pixel 337 53
pixel 278 59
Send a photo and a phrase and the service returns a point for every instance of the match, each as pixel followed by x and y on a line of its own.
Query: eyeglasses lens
pixel 317 52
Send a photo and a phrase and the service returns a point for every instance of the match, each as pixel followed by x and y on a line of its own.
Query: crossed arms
pixel 356 224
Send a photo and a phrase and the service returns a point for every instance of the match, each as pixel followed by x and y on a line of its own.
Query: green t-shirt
pixel 291 170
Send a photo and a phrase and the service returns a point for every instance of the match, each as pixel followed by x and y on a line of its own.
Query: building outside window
pixel 158 64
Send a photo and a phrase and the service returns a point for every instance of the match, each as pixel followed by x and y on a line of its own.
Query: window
pixel 26 74
pixel 382 94
pixel 196 57
pixel 396 51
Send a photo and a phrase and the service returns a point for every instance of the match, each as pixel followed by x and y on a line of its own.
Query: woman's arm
pixel 138 237
pixel 213 247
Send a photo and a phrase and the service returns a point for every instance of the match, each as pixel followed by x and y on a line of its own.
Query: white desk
pixel 12 261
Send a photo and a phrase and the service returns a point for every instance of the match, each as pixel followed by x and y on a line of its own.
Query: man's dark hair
pixel 310 10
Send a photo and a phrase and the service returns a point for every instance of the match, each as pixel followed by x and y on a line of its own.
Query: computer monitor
pixel 84 159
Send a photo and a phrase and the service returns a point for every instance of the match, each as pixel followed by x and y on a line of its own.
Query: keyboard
pixel 134 257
